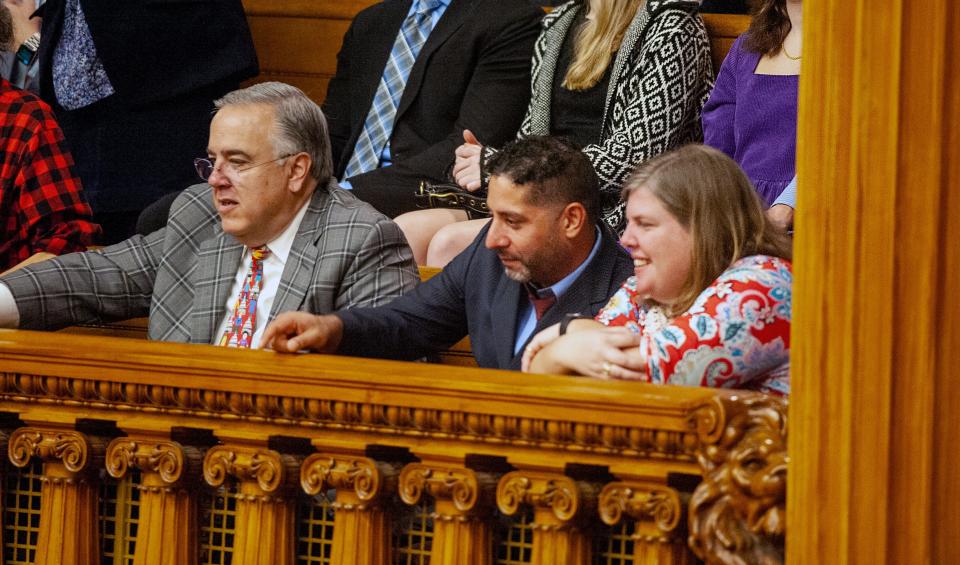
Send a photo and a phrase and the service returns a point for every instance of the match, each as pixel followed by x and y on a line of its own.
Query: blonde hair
pixel 598 39
pixel 708 193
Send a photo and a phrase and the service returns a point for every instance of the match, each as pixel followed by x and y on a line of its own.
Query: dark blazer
pixel 472 296
pixel 472 73
pixel 155 50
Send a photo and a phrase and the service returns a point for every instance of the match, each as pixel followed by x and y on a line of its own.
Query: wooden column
pixel 68 510
pixel 265 505
pixel 659 512
pixel 461 535
pixel 167 530
pixel 559 507
pixel 361 526
pixel 875 440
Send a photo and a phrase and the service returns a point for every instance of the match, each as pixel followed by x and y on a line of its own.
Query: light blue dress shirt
pixel 527 316
pixel 789 195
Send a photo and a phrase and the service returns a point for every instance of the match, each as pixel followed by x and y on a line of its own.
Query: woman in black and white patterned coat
pixel 663 75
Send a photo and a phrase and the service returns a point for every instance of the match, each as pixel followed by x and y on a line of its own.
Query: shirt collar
pixel 280 246
pixel 563 284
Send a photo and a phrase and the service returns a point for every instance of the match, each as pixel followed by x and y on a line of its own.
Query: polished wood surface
pixel 875 439
pixel 281 426
pixel 297 40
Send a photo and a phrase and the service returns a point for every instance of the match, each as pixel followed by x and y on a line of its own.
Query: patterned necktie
pixel 542 300
pixel 241 327
pixel 379 123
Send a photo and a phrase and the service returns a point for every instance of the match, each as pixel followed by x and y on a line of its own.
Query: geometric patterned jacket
pixel 661 78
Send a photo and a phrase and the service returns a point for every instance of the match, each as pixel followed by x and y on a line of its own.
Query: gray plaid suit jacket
pixel 345 254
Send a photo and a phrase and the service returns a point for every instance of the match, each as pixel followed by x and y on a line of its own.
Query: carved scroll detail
pixel 643 501
pixel 458 485
pixel 321 471
pixel 165 458
pixel 71 448
pixel 557 493
pixel 737 514
pixel 263 466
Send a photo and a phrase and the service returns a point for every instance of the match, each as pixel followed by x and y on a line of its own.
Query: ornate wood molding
pixel 459 486
pixel 72 449
pixel 645 502
pixel 362 476
pixel 556 493
pixel 737 514
pixel 265 468
pixel 350 416
pixel 170 461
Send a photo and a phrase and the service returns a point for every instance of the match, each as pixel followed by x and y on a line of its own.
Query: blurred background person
pixel 709 301
pixel 133 85
pixel 624 79
pixel 19 64
pixel 752 112
pixel 42 208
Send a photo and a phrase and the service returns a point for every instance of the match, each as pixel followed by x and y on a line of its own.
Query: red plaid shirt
pixel 42 207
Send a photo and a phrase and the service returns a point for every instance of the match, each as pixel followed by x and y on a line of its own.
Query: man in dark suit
pixel 543 256
pixel 133 84
pixel 270 231
pixel 471 72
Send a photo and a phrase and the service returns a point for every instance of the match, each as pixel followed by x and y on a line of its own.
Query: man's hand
pixel 607 353
pixel 466 168
pixel 296 331
pixel 782 216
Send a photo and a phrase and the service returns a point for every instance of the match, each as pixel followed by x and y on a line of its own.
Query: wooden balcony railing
pixel 126 451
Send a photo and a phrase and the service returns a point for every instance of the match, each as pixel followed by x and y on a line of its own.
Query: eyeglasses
pixel 205 167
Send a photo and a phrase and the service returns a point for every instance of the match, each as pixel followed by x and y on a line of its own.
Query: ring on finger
pixel 607 367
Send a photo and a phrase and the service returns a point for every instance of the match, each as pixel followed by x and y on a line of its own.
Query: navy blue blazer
pixel 473 296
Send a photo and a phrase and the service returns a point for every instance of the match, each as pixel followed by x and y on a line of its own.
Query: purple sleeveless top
pixel 753 119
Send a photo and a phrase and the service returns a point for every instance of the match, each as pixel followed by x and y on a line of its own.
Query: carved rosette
pixel 737 514
pixel 265 468
pixel 557 493
pixel 166 459
pixel 361 475
pixel 460 486
pixel 643 501
pixel 72 449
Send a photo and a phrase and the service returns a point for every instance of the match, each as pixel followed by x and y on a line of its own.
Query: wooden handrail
pixel 474 440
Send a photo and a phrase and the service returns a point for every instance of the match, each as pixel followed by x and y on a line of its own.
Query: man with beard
pixel 42 208
pixel 544 255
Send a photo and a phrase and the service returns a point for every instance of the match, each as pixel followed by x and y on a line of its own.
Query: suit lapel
pixel 452 19
pixel 504 319
pixel 298 272
pixel 217 264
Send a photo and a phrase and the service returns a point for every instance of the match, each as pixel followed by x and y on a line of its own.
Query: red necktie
pixel 542 300
pixel 243 322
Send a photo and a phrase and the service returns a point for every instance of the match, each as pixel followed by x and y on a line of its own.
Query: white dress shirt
pixel 272 272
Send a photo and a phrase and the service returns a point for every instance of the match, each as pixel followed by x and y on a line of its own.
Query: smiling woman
pixel 709 302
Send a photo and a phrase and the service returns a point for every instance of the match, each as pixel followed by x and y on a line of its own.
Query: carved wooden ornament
pixel 458 485
pixel 265 467
pixel 642 501
pixel 165 458
pixel 69 447
pixel 557 493
pixel 737 514
pixel 320 472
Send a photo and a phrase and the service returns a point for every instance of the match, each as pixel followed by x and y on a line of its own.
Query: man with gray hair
pixel 268 232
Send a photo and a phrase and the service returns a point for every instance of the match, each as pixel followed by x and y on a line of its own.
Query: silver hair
pixel 300 123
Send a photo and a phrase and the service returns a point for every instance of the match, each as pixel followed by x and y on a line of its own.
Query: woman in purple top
pixel 752 113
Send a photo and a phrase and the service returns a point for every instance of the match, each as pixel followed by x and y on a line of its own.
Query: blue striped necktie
pixel 379 123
